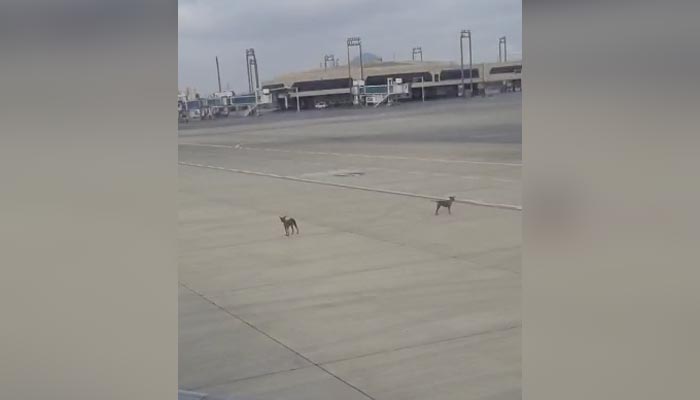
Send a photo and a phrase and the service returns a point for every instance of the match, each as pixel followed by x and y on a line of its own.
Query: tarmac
pixel 377 297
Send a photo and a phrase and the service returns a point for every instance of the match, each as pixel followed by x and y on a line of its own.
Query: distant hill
pixel 367 58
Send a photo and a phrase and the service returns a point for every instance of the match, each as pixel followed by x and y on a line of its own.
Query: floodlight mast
pixel 326 59
pixel 252 67
pixel 465 33
pixel 416 51
pixel 354 42
pixel 502 56
pixel 218 75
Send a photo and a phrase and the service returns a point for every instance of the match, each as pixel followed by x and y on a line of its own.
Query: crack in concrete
pixel 317 365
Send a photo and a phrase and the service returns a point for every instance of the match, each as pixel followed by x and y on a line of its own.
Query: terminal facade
pixel 384 82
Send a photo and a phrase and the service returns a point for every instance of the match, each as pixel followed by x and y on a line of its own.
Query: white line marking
pixel 384 157
pixel 440 174
pixel 239 147
pixel 367 189
pixel 208 145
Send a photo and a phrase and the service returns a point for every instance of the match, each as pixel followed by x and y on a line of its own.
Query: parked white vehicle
pixel 321 105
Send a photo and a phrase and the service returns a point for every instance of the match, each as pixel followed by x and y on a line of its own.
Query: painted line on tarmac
pixel 342 185
pixel 384 157
pixel 225 146
pixel 379 156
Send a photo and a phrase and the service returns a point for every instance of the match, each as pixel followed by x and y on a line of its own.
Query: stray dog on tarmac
pixel 445 203
pixel 289 223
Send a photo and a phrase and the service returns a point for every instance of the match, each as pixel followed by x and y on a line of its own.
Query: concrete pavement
pixel 377 297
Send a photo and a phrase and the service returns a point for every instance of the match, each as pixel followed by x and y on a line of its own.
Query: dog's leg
pixel 436 209
pixel 449 209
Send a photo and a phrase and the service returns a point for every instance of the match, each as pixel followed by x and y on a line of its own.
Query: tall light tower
pixel 257 74
pixel 247 68
pixel 502 56
pixel 355 41
pixel 417 50
pixel 218 76
pixel 252 68
pixel 466 33
pixel 326 59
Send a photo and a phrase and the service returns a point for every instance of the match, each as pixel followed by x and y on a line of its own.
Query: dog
pixel 445 203
pixel 288 223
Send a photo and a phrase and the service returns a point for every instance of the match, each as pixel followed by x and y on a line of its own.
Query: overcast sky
pixel 292 35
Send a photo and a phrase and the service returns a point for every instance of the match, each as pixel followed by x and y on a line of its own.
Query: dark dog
pixel 445 203
pixel 289 223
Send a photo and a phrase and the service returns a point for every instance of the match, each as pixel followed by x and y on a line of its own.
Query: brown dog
pixel 289 223
pixel 445 203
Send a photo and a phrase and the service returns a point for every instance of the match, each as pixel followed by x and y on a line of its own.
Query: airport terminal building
pixel 389 81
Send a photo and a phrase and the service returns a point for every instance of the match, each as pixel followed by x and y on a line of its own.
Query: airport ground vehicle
pixel 219 107
pixel 182 115
pixel 199 109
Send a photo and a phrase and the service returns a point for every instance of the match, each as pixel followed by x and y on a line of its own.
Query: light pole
pixel 465 34
pixel 504 57
pixel 500 53
pixel 349 70
pixel 326 58
pixel 247 68
pixel 252 66
pixel 218 76
pixel 254 61
pixel 422 88
pixel 355 41
pixel 297 90
pixel 417 50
